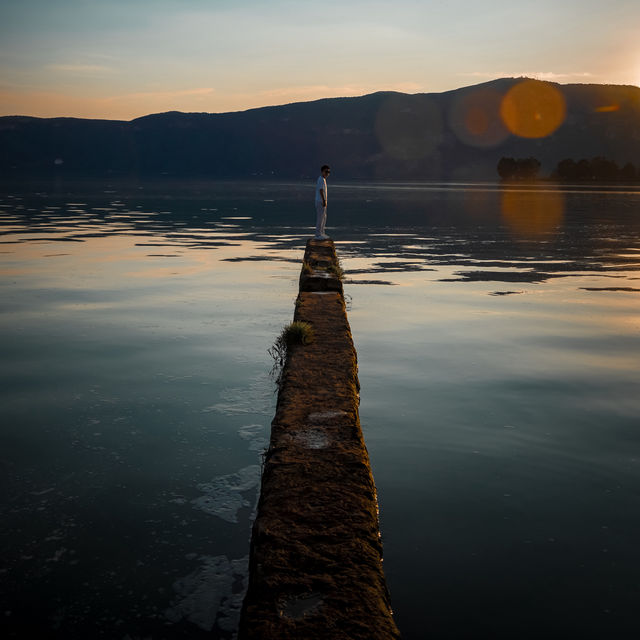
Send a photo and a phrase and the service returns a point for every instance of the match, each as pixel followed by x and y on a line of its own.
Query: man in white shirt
pixel 321 202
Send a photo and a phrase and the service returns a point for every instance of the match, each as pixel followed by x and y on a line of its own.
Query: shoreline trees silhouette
pixel 518 168
pixel 598 169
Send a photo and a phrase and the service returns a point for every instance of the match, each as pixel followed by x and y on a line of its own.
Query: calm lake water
pixel 498 334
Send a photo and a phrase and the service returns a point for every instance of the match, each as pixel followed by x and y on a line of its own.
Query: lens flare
pixel 475 118
pixel 476 121
pixel 533 109
pixel 532 215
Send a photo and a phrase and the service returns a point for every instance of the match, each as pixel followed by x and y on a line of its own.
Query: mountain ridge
pixel 457 134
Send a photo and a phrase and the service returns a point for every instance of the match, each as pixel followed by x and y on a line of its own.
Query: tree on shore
pixel 597 169
pixel 629 173
pixel 518 168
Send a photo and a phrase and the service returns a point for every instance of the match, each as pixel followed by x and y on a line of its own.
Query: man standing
pixel 321 202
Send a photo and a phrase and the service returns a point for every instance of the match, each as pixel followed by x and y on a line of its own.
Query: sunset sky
pixel 121 59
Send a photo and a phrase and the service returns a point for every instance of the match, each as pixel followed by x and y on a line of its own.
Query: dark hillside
pixel 453 135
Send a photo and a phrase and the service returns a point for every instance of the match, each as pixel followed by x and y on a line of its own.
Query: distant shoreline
pixel 576 183
pixel 199 186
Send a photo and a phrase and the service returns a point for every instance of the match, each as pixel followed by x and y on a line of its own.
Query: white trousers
pixel 321 218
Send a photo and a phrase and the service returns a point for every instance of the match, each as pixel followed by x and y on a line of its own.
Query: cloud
pixel 551 76
pixel 80 68
pixel 202 91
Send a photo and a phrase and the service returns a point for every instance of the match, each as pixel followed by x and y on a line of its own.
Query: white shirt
pixel 321 188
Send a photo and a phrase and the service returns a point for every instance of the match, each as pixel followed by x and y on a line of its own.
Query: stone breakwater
pixel 315 567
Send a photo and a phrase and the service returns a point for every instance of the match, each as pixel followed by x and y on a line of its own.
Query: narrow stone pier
pixel 316 555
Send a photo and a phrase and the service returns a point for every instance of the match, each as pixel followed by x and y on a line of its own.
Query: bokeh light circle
pixel 475 118
pixel 533 109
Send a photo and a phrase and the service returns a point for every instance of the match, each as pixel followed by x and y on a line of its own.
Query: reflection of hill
pixel 452 135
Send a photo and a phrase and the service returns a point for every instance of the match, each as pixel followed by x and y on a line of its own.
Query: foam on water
pixel 206 595
pixel 250 433
pixel 257 398
pixel 222 497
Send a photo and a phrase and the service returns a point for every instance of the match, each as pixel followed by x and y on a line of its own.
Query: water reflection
pixel 533 215
pixel 498 397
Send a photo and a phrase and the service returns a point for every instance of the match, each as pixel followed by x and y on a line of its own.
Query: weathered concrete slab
pixel 320 268
pixel 316 555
